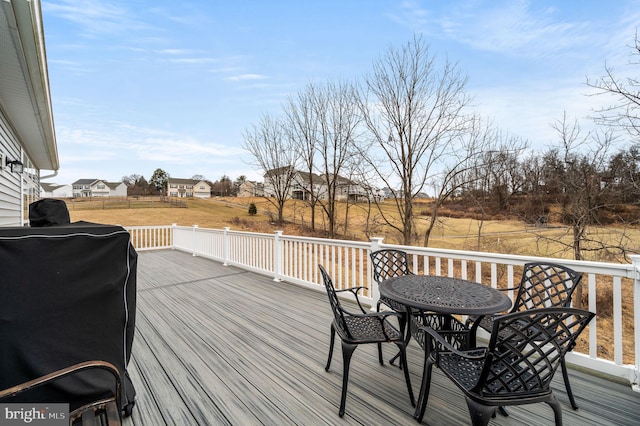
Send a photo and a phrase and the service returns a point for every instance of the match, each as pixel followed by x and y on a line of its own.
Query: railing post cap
pixel 279 232
pixel 376 239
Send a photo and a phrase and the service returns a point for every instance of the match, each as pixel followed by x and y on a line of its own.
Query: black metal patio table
pixel 444 295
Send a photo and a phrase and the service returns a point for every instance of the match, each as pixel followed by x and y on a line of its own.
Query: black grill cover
pixel 48 212
pixel 67 295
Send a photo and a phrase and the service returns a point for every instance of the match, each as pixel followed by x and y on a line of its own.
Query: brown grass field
pixel 496 235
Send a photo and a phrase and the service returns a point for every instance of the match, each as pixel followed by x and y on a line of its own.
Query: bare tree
pixel 337 109
pixel 624 169
pixel 414 112
pixel 484 155
pixel 624 112
pixel 273 152
pixel 302 125
pixel 577 170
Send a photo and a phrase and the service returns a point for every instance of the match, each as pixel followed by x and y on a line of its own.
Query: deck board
pixel 218 345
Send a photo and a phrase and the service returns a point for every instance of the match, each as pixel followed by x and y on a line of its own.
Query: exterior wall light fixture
pixel 15 166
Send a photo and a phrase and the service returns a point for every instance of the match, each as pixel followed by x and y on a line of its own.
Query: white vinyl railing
pixel 610 290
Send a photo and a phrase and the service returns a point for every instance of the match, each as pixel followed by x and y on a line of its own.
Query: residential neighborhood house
pixel 27 136
pixel 98 188
pixel 303 184
pixel 251 188
pixel 52 190
pixel 187 188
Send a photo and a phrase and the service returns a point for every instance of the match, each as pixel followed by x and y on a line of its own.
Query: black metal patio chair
pixel 516 368
pixel 543 285
pixel 389 263
pixel 360 328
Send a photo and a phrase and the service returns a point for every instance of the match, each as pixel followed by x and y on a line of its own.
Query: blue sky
pixel 138 85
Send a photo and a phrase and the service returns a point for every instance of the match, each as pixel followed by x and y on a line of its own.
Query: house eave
pixel 25 97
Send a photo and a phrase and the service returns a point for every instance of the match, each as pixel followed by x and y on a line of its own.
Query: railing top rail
pixel 327 241
pixel 149 227
pixel 626 270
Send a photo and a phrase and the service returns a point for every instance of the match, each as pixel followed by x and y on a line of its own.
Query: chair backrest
pixel 526 348
pixel 544 285
pixel 338 313
pixel 389 263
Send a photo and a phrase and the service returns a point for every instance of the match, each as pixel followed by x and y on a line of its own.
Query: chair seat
pixel 466 373
pixel 486 323
pixel 370 329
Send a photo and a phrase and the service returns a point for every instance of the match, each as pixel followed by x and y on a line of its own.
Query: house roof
pixel 50 186
pixel 185 181
pixel 86 181
pixel 279 171
pixel 24 82
pixel 188 181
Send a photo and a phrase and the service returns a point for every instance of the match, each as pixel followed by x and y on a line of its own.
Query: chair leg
pixel 423 397
pixel 402 322
pixel 480 413
pixel 333 339
pixel 403 360
pixel 557 410
pixel 567 385
pixel 347 351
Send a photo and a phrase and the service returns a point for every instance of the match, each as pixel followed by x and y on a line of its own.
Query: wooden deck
pixel 219 345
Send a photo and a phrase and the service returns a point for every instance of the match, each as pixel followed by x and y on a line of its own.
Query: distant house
pixel 188 188
pixel 52 190
pixel 98 188
pixel 117 189
pixel 250 188
pixel 303 184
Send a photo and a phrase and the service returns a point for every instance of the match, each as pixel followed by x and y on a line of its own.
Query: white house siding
pixel 10 190
pixel 202 190
pixel 119 191
pixel 100 189
pixel 64 191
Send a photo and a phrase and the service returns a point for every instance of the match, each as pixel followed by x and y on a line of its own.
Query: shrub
pixel 252 209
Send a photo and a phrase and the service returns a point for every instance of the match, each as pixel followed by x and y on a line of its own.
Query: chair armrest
pixel 64 372
pixel 442 343
pixel 382 314
pixel 508 288
pixel 355 291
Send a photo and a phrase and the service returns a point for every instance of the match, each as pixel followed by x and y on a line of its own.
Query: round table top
pixel 444 295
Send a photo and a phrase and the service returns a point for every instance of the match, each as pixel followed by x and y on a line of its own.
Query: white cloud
pixel 245 77
pixel 95 17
